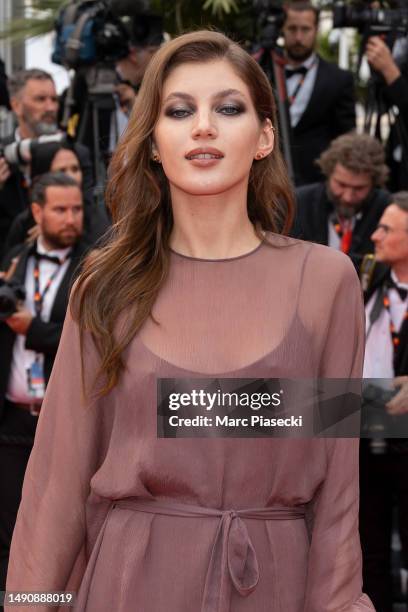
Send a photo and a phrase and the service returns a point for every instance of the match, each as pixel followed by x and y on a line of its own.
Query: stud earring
pixel 259 156
pixel 156 158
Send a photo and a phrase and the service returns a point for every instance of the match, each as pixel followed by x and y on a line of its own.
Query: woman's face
pixel 208 132
pixel 67 162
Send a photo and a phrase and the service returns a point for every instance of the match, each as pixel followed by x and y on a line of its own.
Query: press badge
pixel 35 379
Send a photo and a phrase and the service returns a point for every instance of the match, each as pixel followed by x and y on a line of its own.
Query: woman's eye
pixel 230 110
pixel 178 113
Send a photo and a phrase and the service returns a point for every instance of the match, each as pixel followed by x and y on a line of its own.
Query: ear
pixel 37 211
pixel 266 140
pixel 154 155
pixel 15 104
pixel 154 148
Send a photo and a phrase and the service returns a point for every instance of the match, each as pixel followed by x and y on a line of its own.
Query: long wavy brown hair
pixel 127 273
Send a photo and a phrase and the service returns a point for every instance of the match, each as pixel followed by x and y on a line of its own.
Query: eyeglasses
pixel 387 229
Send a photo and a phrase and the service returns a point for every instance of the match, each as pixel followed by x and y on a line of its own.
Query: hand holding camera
pixel 399 403
pixel 380 58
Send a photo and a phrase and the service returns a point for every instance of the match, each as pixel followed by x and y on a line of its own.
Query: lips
pixel 204 153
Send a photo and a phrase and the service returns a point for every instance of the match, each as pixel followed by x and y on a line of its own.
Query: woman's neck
pixel 212 227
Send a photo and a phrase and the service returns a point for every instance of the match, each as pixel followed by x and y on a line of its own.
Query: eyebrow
pixel 217 96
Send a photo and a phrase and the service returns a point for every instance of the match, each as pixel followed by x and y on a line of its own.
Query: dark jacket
pixel 41 337
pixel 396 94
pixel 329 113
pixel 314 209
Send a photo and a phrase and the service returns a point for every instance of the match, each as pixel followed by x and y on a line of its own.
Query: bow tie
pixel 52 258
pixel 391 284
pixel 302 70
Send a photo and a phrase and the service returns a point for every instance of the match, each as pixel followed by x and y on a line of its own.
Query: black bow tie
pixel 52 258
pixel 302 70
pixel 391 284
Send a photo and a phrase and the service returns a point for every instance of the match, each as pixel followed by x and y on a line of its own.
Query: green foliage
pixel 327 50
pixel 38 19
pixel 219 8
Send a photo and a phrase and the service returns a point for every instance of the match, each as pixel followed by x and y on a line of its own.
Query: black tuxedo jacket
pixel 314 209
pixel 329 113
pixel 380 275
pixel 41 337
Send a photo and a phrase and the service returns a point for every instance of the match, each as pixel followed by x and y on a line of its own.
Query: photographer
pixel 30 336
pixel 383 477
pixel 395 92
pixel 34 103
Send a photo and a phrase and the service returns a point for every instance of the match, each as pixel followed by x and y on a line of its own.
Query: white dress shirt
pixel 303 96
pixel 22 359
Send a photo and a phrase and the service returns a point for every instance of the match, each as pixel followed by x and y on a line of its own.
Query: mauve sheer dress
pixel 87 521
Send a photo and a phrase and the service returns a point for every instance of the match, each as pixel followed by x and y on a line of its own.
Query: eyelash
pixel 186 112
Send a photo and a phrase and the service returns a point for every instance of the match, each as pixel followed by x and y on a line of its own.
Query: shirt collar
pixel 397 282
pixel 307 63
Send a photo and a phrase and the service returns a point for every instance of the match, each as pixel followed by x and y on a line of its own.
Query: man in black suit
pixel 29 337
pixel 321 95
pixel 34 103
pixel 343 211
pixel 383 476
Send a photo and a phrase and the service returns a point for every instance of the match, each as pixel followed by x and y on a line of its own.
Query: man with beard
pixel 320 95
pixel 34 103
pixel 30 336
pixel 343 211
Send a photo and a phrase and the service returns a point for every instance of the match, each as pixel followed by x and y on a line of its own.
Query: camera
pixel 89 32
pixel 10 294
pixel 21 152
pixel 270 18
pixel 366 19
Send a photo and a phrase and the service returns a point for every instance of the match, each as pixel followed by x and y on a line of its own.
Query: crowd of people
pixel 350 195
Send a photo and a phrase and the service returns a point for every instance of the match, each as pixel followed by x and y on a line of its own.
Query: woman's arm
pixel 334 581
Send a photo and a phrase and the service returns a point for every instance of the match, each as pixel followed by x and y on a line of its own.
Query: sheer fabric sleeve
pixel 48 544
pixel 334 580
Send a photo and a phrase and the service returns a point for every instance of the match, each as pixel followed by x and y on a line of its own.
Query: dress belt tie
pixel 233 559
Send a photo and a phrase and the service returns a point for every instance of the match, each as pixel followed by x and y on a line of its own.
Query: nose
pixel 70 217
pixel 376 235
pixel 347 196
pixel 204 125
pixel 51 105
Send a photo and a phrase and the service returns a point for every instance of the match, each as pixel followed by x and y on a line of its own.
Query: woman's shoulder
pixel 319 262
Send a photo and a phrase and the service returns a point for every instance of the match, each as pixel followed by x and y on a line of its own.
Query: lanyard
pixel 344 230
pixel 38 296
pixel 292 98
pixel 395 336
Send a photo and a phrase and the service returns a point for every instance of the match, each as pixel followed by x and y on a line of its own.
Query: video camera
pixel 270 18
pixel 373 20
pixel 91 31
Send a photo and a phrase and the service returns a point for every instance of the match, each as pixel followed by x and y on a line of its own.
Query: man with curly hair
pixel 343 210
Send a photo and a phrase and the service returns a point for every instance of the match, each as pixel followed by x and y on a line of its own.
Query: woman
pixel 198 193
